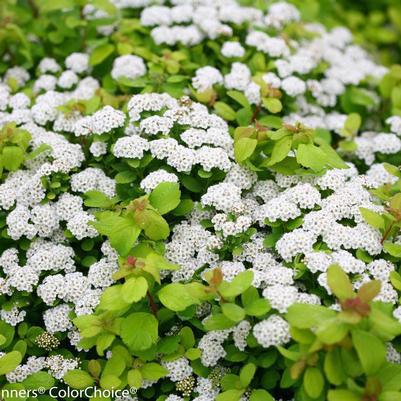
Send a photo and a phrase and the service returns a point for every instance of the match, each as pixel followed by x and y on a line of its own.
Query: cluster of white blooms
pixel 152 180
pixel 199 138
pixel 272 332
pixel 370 143
pixel 179 369
pixel 128 66
pixel 101 122
pixel 232 49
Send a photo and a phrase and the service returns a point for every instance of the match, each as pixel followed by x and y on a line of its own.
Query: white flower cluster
pixel 198 138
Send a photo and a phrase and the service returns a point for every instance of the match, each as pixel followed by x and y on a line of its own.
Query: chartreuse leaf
pixel 272 104
pixel 333 367
pixel 165 197
pixel 12 157
pixel 225 111
pixel 97 199
pixel 230 395
pixel 237 286
pixel 134 289
pixel 305 316
pixel 342 395
pixel 121 231
pixel 371 351
pixel 313 382
pixel 280 150
pixel 100 53
pixel 390 396
pixel 155 227
pixel 392 249
pixel 311 156
pixel 103 341
pixel 372 218
pixel 390 377
pixel 332 331
pixel 9 362
pixel 239 97
pixel 39 379
pixel 112 299
pixel 176 297
pixel 244 148
pixel 134 378
pixel 233 312
pixel 260 395
pixel 109 382
pixel 246 375
pixel 257 308
pixel 153 371
pixel 339 283
pixel 218 322
pixel 351 125
pixel 139 331
pixel 78 379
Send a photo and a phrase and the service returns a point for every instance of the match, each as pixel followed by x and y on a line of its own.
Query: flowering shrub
pixel 199 200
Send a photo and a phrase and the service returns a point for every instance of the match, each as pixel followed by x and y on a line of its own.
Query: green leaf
pixel 233 312
pixel 395 279
pixel 352 125
pixel 134 289
pixel 306 316
pixel 280 150
pixel 311 156
pixel 392 249
pixel 246 375
pixel 109 382
pixel 121 231
pixel 390 396
pixel 339 283
pixel 225 111
pixel 390 377
pixel 78 379
pixel 218 322
pixel 272 104
pixel 230 395
pixel 12 157
pixel 100 53
pixel 165 197
pixel 313 382
pixel 139 339
pixel 134 378
pixel 333 367
pixel 156 227
pixel 104 341
pixel 125 177
pixel 243 148
pixel 176 297
pixel 39 379
pixel 332 331
pixel 372 218
pixel 240 98
pixel 342 395
pixel 237 286
pixel 97 199
pixel 258 307
pixel 153 371
pixel 112 299
pixel 364 344
pixel 9 362
pixel 260 395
